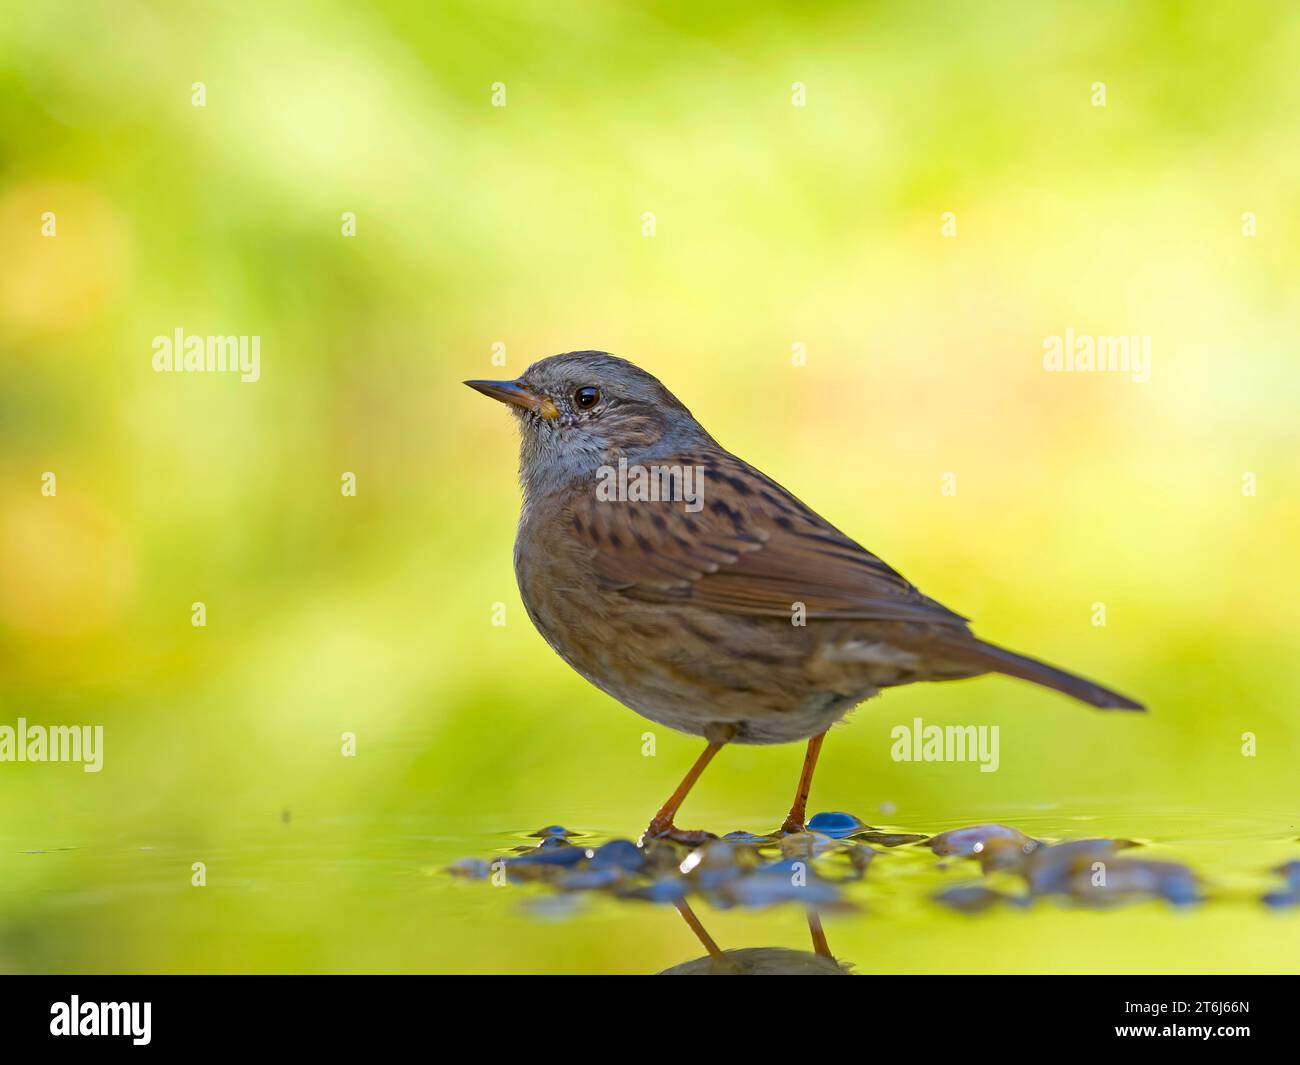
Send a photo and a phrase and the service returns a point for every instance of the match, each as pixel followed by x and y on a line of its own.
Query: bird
pixel 699 593
pixel 759 961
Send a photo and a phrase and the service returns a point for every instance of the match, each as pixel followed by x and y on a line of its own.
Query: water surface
pixel 377 896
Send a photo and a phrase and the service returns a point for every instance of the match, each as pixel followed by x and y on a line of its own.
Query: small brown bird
pixel 700 593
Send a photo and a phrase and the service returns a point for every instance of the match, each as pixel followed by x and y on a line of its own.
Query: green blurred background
pixel 522 226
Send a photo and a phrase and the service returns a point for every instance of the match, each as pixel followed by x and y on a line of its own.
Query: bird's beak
pixel 516 395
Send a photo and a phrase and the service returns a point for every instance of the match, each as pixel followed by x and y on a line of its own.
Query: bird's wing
pixel 751 548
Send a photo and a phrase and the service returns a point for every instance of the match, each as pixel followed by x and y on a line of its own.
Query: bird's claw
pixel 667 830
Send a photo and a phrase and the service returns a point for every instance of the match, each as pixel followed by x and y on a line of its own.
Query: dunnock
pixel 700 593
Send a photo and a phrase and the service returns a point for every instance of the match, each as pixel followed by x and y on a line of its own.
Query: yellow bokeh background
pixel 1169 212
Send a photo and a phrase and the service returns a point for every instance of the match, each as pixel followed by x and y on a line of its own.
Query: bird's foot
pixel 792 826
pixel 658 829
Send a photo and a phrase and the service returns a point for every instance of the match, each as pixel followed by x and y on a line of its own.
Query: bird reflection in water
pixel 758 961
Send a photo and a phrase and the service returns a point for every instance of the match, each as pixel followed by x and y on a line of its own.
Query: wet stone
pixel 660 856
pixel 808 845
pixel 619 854
pixel 551 855
pixel 890 839
pixel 837 825
pixel 550 831
pixel 969 842
pixel 1006 856
pixel 717 862
pixel 691 837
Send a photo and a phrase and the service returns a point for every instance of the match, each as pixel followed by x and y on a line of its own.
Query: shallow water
pixel 292 895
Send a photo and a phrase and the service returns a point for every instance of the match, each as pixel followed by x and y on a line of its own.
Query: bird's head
pixel 585 409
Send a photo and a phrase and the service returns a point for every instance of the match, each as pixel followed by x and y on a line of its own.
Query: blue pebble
pixel 834 824
pixel 665 889
pixel 545 855
pixel 592 879
pixel 1282 899
pixel 619 854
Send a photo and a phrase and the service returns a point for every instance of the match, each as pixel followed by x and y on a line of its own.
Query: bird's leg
pixel 693 922
pixel 662 823
pixel 820 946
pixel 722 965
pixel 794 821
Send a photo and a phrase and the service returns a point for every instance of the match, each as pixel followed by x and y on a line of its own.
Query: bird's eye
pixel 586 397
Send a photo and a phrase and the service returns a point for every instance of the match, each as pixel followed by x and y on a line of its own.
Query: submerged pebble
pixel 1051 869
pixel 974 898
pixel 593 878
pixel 1290 873
pixel 470 868
pixel 859 859
pixel 1121 879
pixel 1290 895
pixel 786 881
pixel 663 889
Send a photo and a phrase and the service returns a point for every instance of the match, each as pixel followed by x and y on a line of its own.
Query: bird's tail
pixel 970 651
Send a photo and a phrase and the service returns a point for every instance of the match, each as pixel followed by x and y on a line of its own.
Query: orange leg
pixel 722 965
pixel 794 822
pixel 820 946
pixel 693 922
pixel 662 823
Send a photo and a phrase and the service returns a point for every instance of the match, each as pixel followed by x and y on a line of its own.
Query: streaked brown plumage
pixel 689 616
